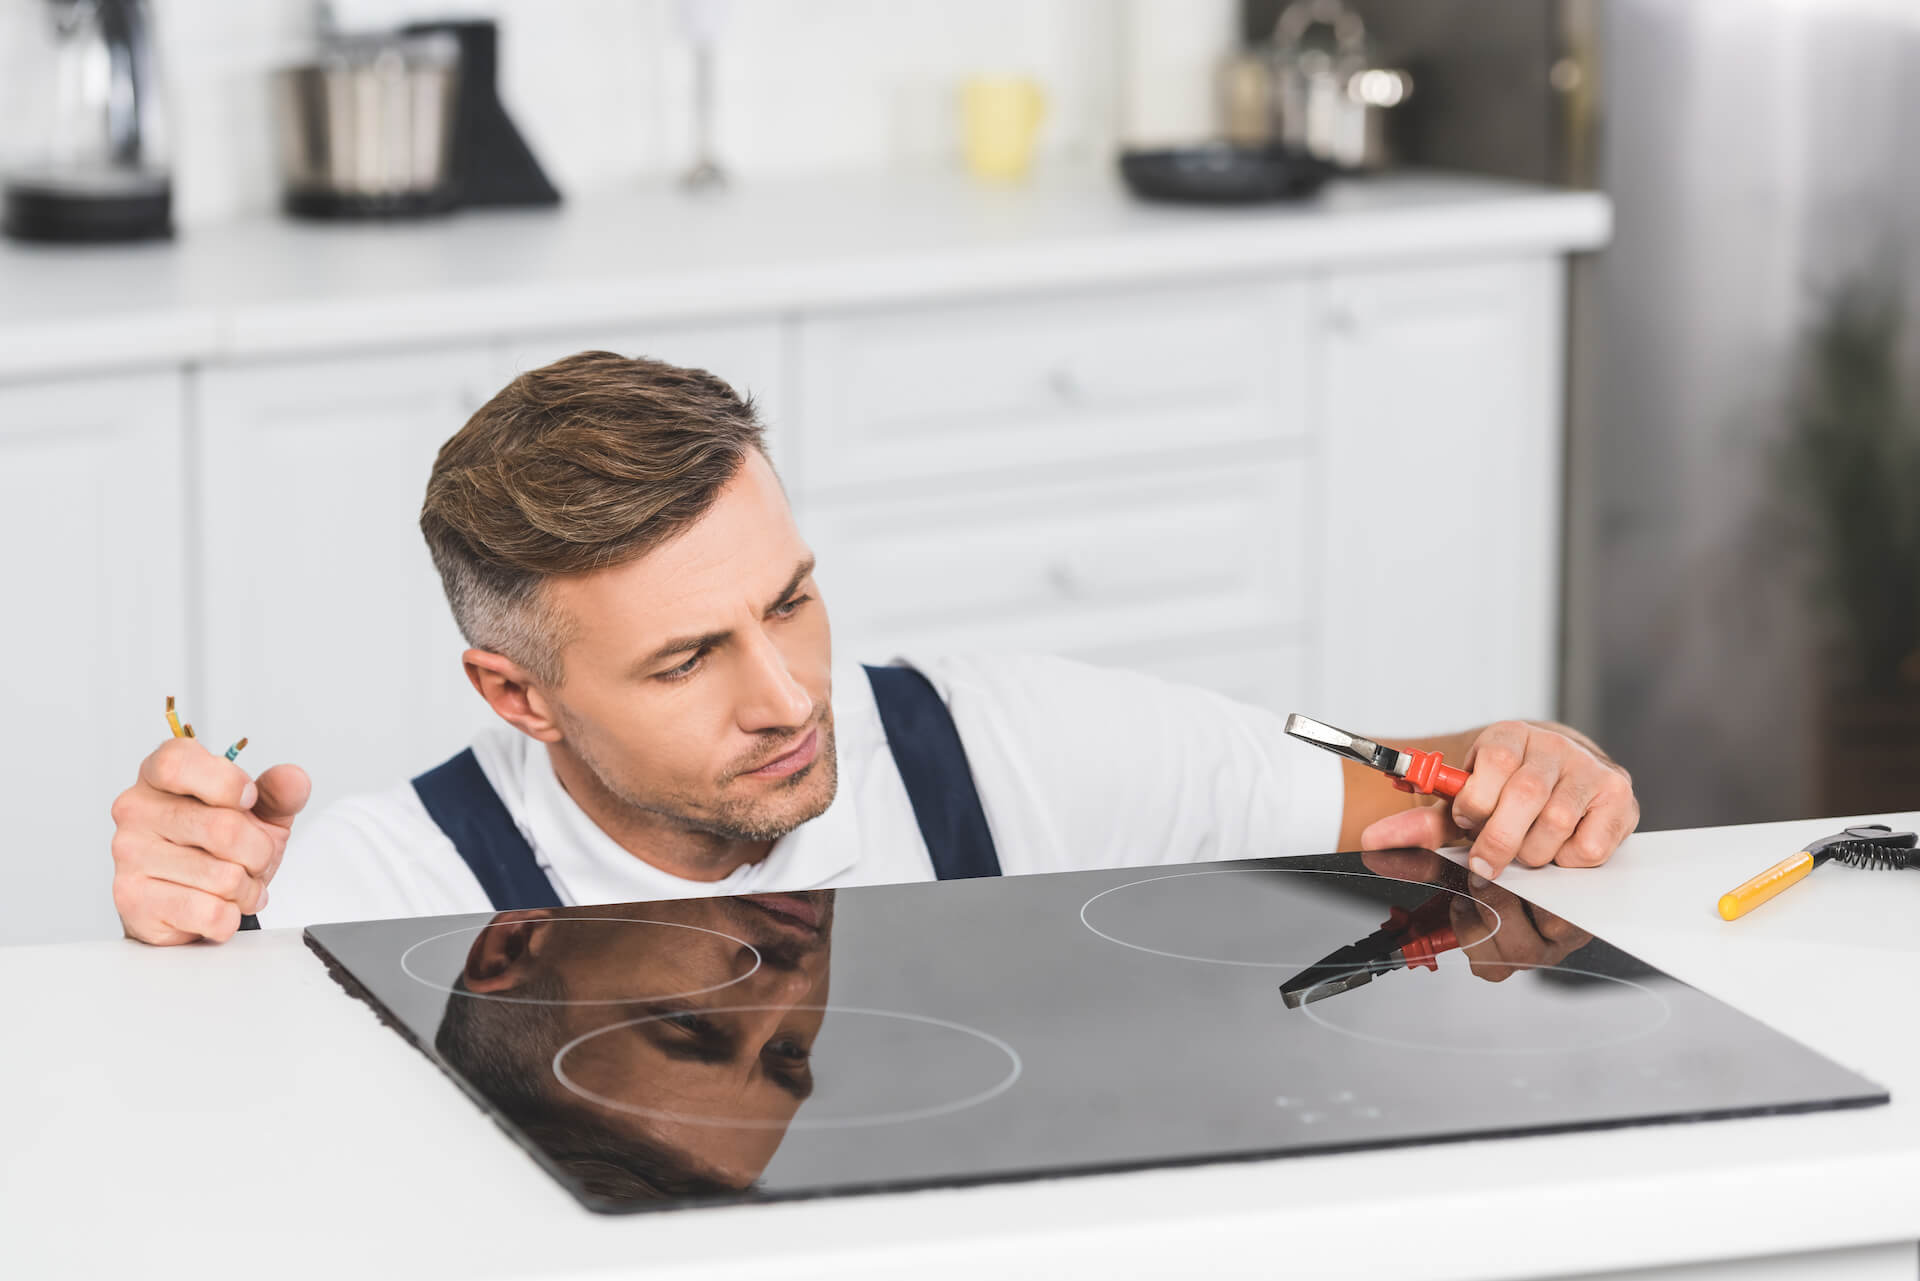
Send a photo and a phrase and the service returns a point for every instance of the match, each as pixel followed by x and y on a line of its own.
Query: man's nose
pixel 771 698
pixel 787 986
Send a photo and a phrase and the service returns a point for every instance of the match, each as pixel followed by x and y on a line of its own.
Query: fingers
pixel 1404 864
pixel 284 790
pixel 165 914
pixel 1573 791
pixel 1610 819
pixel 1497 939
pixel 195 869
pixel 1523 795
pixel 232 835
pixel 185 768
pixel 1490 762
pixel 1422 827
pixel 1537 796
pixel 196 841
pixel 192 912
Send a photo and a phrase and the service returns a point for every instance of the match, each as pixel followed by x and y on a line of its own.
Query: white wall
pixel 601 89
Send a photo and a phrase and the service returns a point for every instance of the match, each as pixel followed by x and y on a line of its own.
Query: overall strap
pixel 459 798
pixel 933 765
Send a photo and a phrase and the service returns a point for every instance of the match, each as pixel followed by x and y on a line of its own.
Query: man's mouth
pixel 790 909
pixel 795 759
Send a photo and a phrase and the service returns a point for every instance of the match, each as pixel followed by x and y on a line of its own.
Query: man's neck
pixel 648 836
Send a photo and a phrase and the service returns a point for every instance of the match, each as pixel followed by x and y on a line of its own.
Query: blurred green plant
pixel 1852 458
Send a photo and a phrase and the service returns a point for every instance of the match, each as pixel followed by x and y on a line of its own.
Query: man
pixel 644 619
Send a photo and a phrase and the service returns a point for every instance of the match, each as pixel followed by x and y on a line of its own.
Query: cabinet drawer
pixel 1007 385
pixel 1070 566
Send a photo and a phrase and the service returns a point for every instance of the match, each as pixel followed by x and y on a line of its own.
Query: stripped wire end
pixel 173 720
pixel 235 749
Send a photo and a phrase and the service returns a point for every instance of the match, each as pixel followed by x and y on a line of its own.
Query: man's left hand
pixel 1536 793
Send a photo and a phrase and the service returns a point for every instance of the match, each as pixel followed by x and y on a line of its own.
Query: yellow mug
pixel 1000 119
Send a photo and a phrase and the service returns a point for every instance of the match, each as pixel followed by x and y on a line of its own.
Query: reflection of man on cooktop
pixel 687 1029
pixel 643 618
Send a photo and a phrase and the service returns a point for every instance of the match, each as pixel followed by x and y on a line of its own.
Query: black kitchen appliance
pixel 94 167
pixel 707 1051
pixel 398 124
pixel 492 163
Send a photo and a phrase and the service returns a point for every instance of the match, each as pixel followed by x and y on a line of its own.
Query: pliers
pixel 1405 940
pixel 1411 771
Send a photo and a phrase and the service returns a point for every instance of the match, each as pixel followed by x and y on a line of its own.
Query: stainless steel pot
pixel 366 130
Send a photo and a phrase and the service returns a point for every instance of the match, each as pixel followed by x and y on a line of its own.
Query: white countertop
pixel 272 285
pixel 173 1111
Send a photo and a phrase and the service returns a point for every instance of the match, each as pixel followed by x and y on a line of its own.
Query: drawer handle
pixel 1064 581
pixel 1066 388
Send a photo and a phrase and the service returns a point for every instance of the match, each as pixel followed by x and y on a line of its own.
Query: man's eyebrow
pixel 712 640
pixel 800 573
pixel 712 1046
pixel 685 644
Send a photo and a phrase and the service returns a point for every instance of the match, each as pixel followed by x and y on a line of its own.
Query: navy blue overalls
pixel 920 732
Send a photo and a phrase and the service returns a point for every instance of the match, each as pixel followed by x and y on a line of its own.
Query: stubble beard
pixel 807 792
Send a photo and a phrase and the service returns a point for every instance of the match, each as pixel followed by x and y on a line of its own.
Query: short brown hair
pixel 588 462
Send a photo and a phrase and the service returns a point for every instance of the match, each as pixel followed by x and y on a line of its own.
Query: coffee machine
pixel 94 163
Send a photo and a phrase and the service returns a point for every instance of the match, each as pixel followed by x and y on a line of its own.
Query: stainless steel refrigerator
pixel 1759 154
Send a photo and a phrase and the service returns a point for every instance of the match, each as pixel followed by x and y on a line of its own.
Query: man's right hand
pixel 195 842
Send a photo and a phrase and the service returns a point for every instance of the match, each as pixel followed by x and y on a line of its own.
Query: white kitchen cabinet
pixel 1067 566
pixel 1441 440
pixel 94 511
pixel 327 637
pixel 1011 386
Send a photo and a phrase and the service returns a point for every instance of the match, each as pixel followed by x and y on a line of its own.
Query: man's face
pixel 697 682
pixel 714 1077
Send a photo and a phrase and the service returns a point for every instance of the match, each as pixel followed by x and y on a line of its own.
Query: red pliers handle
pixel 1429 775
pixel 1428 934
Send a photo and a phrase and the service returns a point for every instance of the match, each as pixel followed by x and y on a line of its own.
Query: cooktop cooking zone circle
pixel 1587 1011
pixel 870 1067
pixel 1219 917
pixel 428 955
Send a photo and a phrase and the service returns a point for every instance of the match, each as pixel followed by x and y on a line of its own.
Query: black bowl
pixel 1222 173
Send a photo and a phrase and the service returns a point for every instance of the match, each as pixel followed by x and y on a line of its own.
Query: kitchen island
pixel 172 1110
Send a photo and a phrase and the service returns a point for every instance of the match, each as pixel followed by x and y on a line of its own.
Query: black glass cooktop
pixel 701 1051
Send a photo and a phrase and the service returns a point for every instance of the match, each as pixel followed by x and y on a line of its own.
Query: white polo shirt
pixel 1077 767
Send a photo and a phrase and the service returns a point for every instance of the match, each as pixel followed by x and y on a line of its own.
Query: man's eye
pixel 689 1023
pixel 790 1050
pixel 685 669
pixel 786 610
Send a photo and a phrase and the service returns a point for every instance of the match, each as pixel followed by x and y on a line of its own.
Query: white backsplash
pixel 601 87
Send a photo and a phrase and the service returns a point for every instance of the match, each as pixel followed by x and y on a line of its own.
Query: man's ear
pixel 503 955
pixel 512 693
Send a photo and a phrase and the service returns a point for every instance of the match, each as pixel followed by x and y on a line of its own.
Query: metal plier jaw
pixel 1411 771
pixel 1405 940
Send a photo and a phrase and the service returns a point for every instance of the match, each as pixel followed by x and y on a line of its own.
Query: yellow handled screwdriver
pixel 1873 845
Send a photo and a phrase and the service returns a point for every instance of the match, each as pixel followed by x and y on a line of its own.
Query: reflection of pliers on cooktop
pixel 1404 940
